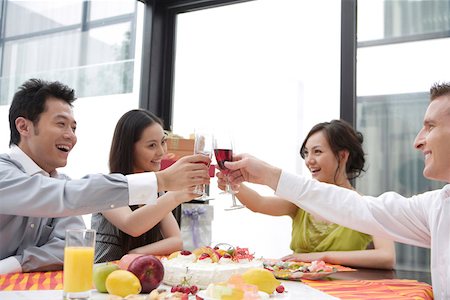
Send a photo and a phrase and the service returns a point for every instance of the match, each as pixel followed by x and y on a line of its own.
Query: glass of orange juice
pixel 78 263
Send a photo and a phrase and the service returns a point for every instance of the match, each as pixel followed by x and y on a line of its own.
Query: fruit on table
pixel 126 260
pixel 262 278
pixel 174 254
pixel 208 250
pixel 280 289
pixel 149 270
pixel 100 274
pixel 123 283
pixel 157 294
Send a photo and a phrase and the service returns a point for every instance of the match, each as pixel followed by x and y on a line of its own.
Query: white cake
pixel 203 272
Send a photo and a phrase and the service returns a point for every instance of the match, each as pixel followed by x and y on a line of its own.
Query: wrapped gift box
pixel 196 222
pixel 179 147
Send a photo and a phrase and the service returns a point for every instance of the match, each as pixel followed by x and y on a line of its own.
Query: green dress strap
pixel 309 235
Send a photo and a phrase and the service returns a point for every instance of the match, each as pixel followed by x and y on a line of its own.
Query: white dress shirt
pixel 422 220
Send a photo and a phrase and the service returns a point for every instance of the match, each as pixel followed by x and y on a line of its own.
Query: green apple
pixel 100 274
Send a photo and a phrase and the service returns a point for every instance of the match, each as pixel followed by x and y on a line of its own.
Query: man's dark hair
pixel 29 102
pixel 439 89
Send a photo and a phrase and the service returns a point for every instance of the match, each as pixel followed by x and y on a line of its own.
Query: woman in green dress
pixel 333 153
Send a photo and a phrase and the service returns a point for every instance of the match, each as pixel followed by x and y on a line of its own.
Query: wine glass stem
pixel 228 189
pixel 233 197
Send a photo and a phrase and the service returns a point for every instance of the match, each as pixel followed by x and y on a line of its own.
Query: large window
pixel 402 50
pixel 88 45
pixel 257 70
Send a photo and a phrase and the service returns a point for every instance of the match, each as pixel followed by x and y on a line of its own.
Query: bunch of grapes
pixel 193 289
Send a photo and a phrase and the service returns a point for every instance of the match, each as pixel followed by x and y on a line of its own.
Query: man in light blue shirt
pixel 37 204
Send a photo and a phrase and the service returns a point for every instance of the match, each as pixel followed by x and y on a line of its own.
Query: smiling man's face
pixel 49 141
pixel 434 139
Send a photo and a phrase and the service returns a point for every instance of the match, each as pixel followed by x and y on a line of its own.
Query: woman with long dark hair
pixel 138 145
pixel 333 154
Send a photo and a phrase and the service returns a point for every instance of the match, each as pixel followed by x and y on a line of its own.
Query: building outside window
pixel 88 45
pixel 399 56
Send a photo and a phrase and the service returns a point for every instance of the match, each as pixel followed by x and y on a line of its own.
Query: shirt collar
pixel 30 167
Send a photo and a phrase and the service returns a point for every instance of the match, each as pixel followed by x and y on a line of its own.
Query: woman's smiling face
pixel 149 149
pixel 321 161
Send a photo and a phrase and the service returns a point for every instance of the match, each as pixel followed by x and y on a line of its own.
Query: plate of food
pixel 291 270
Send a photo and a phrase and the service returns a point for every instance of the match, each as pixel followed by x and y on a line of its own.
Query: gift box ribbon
pixel 193 214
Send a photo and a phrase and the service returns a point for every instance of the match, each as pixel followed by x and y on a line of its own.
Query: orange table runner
pixel 398 289
pixel 31 281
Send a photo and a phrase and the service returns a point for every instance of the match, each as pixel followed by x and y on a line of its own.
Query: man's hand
pixel 245 167
pixel 184 174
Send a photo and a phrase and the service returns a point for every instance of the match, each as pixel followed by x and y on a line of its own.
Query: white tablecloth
pixel 295 291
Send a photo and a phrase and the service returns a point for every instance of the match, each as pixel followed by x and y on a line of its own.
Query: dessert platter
pixel 290 270
pixel 207 265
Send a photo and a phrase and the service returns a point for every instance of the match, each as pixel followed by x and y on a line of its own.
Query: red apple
pixel 149 270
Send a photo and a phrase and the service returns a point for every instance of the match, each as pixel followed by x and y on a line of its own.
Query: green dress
pixel 309 235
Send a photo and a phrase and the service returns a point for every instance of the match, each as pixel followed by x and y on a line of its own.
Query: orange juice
pixel 78 265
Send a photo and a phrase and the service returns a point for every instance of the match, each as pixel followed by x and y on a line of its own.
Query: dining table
pixel 347 283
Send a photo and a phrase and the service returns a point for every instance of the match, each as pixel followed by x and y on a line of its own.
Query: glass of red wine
pixel 223 150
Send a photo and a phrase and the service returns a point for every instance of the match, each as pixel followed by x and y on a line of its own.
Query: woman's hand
pixel 182 196
pixel 304 257
pixel 221 180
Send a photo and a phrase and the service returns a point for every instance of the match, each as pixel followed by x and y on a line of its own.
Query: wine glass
pixel 203 144
pixel 223 150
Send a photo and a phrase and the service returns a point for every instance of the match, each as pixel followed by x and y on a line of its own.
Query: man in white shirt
pixel 422 220
pixel 37 203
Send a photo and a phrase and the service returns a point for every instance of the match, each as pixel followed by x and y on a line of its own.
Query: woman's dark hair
pixel 29 102
pixel 128 131
pixel 341 136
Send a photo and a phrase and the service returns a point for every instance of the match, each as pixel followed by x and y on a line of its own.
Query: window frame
pixel 158 54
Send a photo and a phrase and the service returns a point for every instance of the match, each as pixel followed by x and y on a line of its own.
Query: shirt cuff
pixel 10 265
pixel 142 188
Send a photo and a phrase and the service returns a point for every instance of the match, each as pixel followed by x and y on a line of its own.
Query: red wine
pixel 223 155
